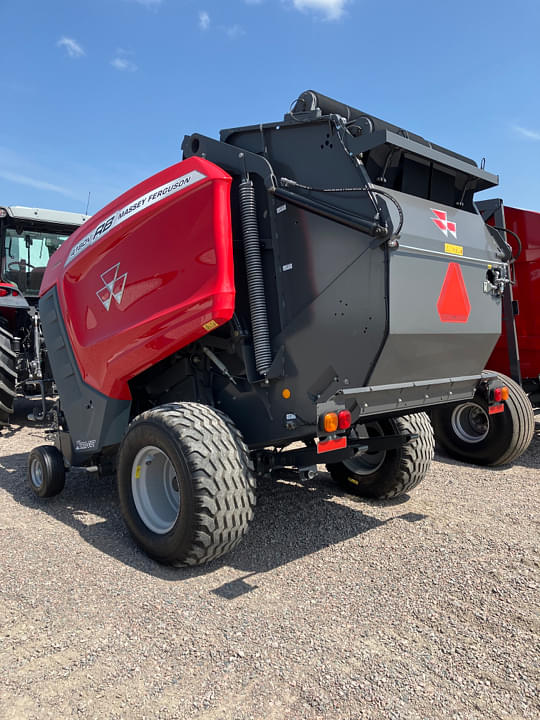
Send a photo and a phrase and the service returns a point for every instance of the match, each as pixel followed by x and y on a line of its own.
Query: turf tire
pixel 400 469
pixel 213 476
pixel 46 472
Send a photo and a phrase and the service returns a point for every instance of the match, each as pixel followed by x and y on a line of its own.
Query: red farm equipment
pixel 468 431
pixel 295 293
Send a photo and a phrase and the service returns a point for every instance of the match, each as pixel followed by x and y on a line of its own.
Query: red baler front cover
pixel 526 224
pixel 147 275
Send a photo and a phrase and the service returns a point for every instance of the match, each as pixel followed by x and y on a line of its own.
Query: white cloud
pixel 235 31
pixel 123 64
pixel 204 20
pixel 73 49
pixel 35 183
pixel 524 132
pixel 331 9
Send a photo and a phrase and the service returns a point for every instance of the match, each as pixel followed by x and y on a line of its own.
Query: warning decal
pixel 150 198
pixel 453 249
pixel 453 304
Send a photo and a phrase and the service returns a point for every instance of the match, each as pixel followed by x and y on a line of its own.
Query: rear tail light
pixel 3 292
pixel 330 422
pixel 344 419
pixel 500 394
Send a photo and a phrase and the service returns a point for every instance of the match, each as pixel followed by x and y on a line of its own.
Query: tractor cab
pixel 28 238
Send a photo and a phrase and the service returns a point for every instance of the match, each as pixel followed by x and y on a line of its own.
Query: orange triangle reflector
pixel 453 304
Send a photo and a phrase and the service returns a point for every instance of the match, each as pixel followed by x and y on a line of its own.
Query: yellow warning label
pixel 137 472
pixel 210 325
pixel 453 249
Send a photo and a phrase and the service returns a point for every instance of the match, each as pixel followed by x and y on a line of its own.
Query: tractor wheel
pixel 186 483
pixel 468 432
pixel 46 471
pixel 388 473
pixel 8 376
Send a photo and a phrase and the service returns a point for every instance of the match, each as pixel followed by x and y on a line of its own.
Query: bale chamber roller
pixel 320 281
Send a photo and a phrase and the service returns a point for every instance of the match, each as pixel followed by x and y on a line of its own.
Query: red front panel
pixel 526 225
pixel 148 274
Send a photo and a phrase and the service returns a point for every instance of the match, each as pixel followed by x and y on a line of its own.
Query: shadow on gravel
pixel 292 520
pixel 529 459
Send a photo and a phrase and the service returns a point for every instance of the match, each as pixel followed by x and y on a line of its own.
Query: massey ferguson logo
pixel 442 222
pixel 113 286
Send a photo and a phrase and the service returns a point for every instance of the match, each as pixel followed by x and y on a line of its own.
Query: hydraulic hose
pixel 255 278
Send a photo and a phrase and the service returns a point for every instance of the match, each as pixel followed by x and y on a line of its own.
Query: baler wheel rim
pixel 155 489
pixel 470 422
pixel 367 463
pixel 36 473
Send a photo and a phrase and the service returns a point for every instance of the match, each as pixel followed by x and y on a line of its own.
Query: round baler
pixel 296 293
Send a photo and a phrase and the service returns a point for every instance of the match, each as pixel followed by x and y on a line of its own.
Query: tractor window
pixel 25 257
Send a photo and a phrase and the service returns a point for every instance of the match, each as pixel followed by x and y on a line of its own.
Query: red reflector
pixel 344 419
pixel 494 409
pixel 3 292
pixel 453 304
pixel 327 445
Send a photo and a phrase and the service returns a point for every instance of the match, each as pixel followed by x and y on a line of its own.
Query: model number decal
pixel 133 208
pixel 85 444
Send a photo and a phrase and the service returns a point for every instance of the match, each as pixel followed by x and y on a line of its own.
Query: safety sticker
pixel 211 325
pixel 137 472
pixel 150 198
pixel 453 249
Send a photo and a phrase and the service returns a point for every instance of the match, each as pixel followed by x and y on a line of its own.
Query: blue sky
pixel 98 94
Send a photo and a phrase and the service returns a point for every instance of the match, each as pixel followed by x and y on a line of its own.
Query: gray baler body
pixel 353 319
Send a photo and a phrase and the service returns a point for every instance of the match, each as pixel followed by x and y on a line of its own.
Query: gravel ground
pixel 331 608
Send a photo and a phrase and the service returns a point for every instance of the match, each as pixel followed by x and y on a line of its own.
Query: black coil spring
pixel 255 279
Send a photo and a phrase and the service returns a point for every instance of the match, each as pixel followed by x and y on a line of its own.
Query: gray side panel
pixel 94 420
pixel 422 345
